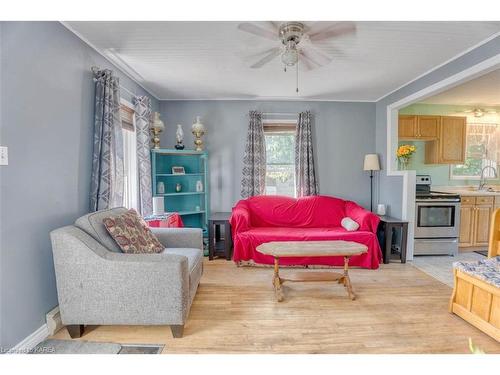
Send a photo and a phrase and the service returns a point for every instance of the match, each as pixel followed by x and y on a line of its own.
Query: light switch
pixel 4 155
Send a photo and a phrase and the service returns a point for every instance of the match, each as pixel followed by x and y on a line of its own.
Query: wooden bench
pixel 476 292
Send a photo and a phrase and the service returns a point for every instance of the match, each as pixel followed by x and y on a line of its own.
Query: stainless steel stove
pixel 437 220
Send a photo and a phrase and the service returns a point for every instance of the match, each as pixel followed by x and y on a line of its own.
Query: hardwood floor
pixel 399 309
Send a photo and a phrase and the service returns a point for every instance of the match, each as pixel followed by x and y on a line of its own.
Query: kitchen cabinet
pixel 418 128
pixel 444 136
pixel 449 148
pixel 467 210
pixel 428 127
pixel 475 216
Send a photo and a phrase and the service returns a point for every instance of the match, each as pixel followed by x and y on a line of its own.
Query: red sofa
pixel 263 219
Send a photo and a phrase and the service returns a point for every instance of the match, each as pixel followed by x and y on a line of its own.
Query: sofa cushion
pixel 93 225
pixel 194 256
pixel 132 233
pixel 349 224
pixel 195 264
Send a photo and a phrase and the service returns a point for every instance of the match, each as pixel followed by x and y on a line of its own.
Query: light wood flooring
pixel 399 309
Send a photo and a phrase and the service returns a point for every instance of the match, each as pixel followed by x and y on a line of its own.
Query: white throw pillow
pixel 349 224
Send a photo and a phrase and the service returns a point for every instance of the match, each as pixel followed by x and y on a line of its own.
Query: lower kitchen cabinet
pixel 466 236
pixel 475 216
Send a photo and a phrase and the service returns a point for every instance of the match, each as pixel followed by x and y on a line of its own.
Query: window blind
pixel 279 127
pixel 127 117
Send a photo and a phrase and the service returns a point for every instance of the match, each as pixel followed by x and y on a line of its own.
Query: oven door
pixel 437 219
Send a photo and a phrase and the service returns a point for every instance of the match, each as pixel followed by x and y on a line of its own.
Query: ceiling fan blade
pixel 306 63
pixel 338 29
pixel 257 30
pixel 272 53
pixel 317 57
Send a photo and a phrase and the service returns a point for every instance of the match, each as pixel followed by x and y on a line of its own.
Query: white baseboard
pixel 54 322
pixel 31 341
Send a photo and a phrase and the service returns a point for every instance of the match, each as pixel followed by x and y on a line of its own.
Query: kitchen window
pixel 280 157
pixel 482 149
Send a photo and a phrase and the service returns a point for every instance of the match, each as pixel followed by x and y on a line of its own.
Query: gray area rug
pixel 51 346
pixel 440 267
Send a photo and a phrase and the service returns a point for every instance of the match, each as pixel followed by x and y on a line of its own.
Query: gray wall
pixel 344 133
pixel 391 187
pixel 47 123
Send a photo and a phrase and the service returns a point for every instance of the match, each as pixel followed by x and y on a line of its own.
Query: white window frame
pixel 131 175
pixel 488 175
pixel 293 122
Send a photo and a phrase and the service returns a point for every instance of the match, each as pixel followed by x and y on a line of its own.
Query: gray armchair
pixel 97 284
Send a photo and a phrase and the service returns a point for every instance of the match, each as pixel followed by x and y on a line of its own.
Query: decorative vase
pixel 160 188
pixel 178 187
pixel 156 128
pixel 404 163
pixel 199 186
pixel 179 137
pixel 198 130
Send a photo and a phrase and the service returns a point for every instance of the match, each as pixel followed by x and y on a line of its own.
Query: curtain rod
pixel 95 69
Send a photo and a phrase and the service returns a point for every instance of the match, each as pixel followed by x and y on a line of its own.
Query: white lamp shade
pixel 157 123
pixel 371 163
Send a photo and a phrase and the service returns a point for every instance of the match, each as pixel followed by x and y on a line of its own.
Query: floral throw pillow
pixel 132 233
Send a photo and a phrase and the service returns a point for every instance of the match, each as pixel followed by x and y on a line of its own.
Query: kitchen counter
pixel 468 190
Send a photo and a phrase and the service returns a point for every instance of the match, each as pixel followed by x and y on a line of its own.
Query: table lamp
pixel 371 164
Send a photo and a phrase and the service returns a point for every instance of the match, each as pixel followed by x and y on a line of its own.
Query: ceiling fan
pixel 479 112
pixel 296 42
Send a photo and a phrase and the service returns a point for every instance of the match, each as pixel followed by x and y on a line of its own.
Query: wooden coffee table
pixel 290 249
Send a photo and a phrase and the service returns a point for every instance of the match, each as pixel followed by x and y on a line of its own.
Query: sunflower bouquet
pixel 404 153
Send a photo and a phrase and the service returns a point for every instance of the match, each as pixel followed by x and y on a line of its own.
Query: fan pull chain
pixel 297 77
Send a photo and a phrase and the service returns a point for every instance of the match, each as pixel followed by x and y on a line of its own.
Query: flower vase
pixel 404 163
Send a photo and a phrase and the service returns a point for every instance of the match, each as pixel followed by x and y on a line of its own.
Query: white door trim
pixel 408 198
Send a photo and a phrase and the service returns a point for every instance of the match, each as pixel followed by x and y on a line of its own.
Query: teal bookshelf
pixel 191 205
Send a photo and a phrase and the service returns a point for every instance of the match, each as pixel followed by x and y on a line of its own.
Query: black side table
pixel 386 227
pixel 216 244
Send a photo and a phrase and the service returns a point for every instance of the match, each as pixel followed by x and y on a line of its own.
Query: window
pixel 130 181
pixel 280 158
pixel 482 149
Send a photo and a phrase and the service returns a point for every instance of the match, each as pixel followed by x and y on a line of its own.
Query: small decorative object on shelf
pixel 160 187
pixel 178 170
pixel 198 130
pixel 178 187
pixel 199 186
pixel 179 137
pixel 156 128
pixel 404 154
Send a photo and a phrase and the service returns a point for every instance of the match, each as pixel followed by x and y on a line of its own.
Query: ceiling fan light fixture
pixel 290 55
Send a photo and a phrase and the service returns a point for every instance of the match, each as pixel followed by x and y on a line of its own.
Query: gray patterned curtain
pixel 253 180
pixel 142 123
pixel 106 190
pixel 305 180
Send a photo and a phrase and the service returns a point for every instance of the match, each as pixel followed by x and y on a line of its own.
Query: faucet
pixel 482 179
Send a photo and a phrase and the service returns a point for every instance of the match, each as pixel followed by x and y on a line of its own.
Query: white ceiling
pixel 482 91
pixel 210 60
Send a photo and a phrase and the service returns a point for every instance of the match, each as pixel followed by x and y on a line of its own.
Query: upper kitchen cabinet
pixel 407 127
pixel 421 128
pixel 449 148
pixel 428 127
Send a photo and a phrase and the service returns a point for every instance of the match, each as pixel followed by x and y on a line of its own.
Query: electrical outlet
pixel 4 155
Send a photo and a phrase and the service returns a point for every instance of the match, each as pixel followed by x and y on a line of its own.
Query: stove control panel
pixel 423 180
